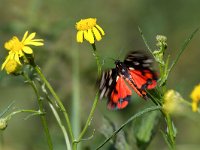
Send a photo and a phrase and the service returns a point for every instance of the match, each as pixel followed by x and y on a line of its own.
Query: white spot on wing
pixel 148 61
pixel 117 78
pixel 136 63
pixel 102 93
pixel 130 68
pixel 110 81
pixel 145 65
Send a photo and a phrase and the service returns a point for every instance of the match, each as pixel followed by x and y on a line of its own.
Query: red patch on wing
pixel 142 80
pixel 120 95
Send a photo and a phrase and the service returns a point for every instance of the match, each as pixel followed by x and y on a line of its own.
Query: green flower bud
pixel 161 42
pixel 3 123
pixel 161 38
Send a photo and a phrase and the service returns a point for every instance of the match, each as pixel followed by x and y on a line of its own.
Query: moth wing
pixel 120 95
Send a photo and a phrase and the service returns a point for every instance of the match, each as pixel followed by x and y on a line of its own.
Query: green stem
pixel 76 106
pixel 41 108
pixel 63 129
pixel 59 102
pixel 89 117
pixel 95 100
pixel 23 110
pixel 61 126
pixel 7 109
pixel 97 59
pixel 145 41
pixel 153 108
pixel 171 134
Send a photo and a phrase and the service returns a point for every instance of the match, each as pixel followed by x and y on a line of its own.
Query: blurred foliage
pixel 54 21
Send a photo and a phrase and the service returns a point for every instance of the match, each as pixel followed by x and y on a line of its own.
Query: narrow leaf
pixel 145 128
pixel 183 48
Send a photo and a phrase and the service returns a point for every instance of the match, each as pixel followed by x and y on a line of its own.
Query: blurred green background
pixel 54 21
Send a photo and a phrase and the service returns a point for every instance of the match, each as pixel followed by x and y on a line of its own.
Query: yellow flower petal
pixel 25 36
pixel 97 34
pixel 27 50
pixel 85 33
pixel 5 62
pixel 90 36
pixel 16 58
pixel 195 94
pixel 100 29
pixel 34 43
pixel 29 38
pixel 194 107
pixel 37 40
pixel 79 36
pixel 11 54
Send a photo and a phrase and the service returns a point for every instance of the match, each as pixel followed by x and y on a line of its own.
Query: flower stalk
pixel 76 104
pixel 59 102
pixel 41 108
pixel 94 103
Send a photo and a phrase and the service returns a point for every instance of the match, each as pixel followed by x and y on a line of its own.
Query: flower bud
pixel 161 41
pixel 12 66
pixel 172 102
pixel 161 38
pixel 3 123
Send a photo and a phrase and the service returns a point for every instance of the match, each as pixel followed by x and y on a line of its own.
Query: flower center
pixel 86 24
pixel 14 44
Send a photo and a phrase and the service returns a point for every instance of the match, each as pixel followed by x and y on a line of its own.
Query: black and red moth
pixel 134 72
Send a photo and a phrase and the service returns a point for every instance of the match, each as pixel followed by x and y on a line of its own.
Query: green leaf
pixel 119 142
pixel 145 127
pixel 135 116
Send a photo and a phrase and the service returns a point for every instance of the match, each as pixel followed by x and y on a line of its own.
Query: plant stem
pixel 61 126
pixel 171 134
pixel 145 41
pixel 53 109
pixel 76 93
pixel 41 108
pixel 153 108
pixel 95 100
pixel 89 117
pixel 59 102
pixel 23 110
pixel 97 60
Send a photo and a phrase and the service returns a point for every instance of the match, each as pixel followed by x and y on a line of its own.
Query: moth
pixel 133 73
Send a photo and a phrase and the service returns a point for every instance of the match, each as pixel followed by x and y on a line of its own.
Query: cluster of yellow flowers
pixel 17 49
pixel 173 101
pixel 87 29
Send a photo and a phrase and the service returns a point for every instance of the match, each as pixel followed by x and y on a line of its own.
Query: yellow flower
pixel 172 102
pixel 195 96
pixel 18 48
pixel 12 66
pixel 88 30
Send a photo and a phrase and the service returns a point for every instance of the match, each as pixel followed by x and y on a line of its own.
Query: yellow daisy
pixel 18 48
pixel 89 30
pixel 195 96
